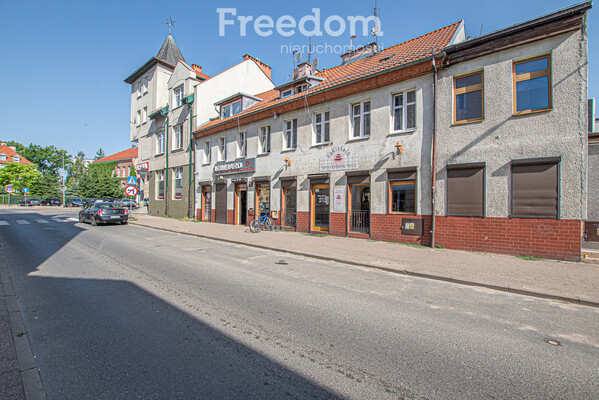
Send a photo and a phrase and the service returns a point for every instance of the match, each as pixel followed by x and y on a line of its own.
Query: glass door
pixel 320 207
pixel 207 209
pixel 359 216
pixel 290 194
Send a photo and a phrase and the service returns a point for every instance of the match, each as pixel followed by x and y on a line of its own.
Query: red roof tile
pixel 121 155
pixel 387 59
pixel 4 149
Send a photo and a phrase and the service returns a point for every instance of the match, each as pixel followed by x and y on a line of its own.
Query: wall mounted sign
pixel 338 199
pixel 339 158
pixel 235 167
pixel 142 168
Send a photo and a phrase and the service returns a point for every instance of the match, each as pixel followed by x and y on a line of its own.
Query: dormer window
pixel 286 93
pixel 178 96
pixel 2 157
pixel 301 88
pixel 16 158
pixel 230 109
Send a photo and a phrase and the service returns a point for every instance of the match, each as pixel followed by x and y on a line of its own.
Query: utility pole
pixel 63 174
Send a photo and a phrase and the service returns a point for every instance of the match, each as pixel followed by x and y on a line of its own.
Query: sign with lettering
pixel 142 168
pixel 235 167
pixel 339 199
pixel 339 158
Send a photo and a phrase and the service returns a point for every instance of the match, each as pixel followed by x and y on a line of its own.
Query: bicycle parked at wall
pixel 262 223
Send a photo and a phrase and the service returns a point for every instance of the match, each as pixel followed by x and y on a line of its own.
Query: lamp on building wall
pixel 399 148
pixel 287 162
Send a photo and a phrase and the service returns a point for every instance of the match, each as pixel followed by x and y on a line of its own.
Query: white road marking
pixel 22 222
pixel 58 220
pixel 42 221
pixel 72 219
pixel 4 223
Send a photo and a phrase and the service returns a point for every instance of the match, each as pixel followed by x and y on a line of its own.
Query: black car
pixel 29 202
pixel 74 202
pixel 127 202
pixel 104 213
pixel 51 202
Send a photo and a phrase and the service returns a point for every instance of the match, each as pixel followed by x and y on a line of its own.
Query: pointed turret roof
pixel 170 52
pixel 168 55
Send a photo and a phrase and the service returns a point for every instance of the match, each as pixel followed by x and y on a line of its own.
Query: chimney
pixel 264 67
pixel 2 144
pixel 196 68
pixel 13 148
pixel 304 69
pixel 359 52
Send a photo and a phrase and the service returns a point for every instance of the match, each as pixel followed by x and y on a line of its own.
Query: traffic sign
pixel 25 190
pixel 9 188
pixel 131 180
pixel 131 191
pixel 62 188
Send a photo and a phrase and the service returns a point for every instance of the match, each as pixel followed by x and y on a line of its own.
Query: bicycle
pixel 264 222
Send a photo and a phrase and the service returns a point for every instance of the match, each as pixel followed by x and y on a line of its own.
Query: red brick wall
pixel 387 227
pixel 198 215
pixel 338 224
pixel 302 221
pixel 231 217
pixel 212 215
pixel 547 238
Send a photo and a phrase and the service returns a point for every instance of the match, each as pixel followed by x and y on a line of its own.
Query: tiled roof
pixel 9 153
pixel 120 156
pixel 390 58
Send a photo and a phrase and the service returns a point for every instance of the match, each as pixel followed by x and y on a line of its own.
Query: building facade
pixel 492 129
pixel 125 160
pixel 591 234
pixel 8 154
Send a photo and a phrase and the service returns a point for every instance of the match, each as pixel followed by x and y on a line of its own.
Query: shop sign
pixel 235 167
pixel 339 199
pixel 142 168
pixel 339 158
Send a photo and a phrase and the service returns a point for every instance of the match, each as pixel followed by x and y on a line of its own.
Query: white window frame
pixel 3 157
pixel 242 144
pixel 178 91
pixel 290 134
pixel 16 158
pixel 144 115
pixel 230 108
pixel 287 93
pixel 222 148
pixel 264 139
pixel 138 118
pixel 325 122
pixel 138 88
pixel 404 111
pixel 159 178
pixel 360 116
pixel 177 176
pixel 207 153
pixel 178 137
pixel 145 85
pixel 160 143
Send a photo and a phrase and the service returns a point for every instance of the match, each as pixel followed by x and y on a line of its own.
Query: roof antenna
pixel 375 31
pixel 170 23
pixel 481 30
pixel 310 49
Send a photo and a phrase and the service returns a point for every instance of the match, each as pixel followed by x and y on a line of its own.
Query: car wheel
pixel 124 222
pixel 94 222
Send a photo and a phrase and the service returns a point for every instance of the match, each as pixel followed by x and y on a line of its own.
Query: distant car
pixel 88 202
pixel 104 213
pixel 128 202
pixel 29 202
pixel 74 202
pixel 51 202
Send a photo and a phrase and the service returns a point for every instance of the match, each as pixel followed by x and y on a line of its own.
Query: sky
pixel 62 63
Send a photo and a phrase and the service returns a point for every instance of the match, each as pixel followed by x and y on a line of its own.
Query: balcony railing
pixel 359 222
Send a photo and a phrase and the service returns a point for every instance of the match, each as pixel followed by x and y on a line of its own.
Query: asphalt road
pixel 125 312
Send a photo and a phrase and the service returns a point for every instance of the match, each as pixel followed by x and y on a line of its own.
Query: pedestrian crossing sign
pixel 131 180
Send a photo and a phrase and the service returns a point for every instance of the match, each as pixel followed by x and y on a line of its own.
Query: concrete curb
pixel 506 289
pixel 30 378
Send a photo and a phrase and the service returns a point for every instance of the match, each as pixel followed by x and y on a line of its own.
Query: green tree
pixel 18 175
pixel 47 159
pixel 76 173
pixel 46 185
pixel 99 182
pixel 99 154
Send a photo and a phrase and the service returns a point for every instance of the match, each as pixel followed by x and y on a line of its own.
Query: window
pixel 138 118
pixel 16 158
pixel 242 145
pixel 291 134
pixel 404 111
pixel 2 157
pixel 265 139
pixel 160 143
pixel 178 181
pixel 469 98
pixel 160 184
pixel 207 153
pixel 361 119
pixel 301 88
pixel 138 89
pixel 532 85
pixel 286 94
pixel 123 174
pixel 466 190
pixel 402 192
pixel 178 137
pixel 535 189
pixel 144 115
pixel 321 128
pixel 145 85
pixel 230 109
pixel 179 96
pixel 222 146
pixel 117 172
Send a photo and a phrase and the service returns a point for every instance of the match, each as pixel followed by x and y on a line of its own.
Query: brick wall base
pixel 338 224
pixel 387 227
pixel 302 221
pixel 231 217
pixel 212 215
pixel 546 238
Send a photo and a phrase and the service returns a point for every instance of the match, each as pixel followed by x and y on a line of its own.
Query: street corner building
pixel 475 144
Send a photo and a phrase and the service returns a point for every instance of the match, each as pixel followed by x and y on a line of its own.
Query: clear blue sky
pixel 62 63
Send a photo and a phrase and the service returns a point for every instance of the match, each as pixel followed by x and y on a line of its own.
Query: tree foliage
pixel 18 175
pixel 47 159
pixel 47 185
pixel 99 154
pixel 98 182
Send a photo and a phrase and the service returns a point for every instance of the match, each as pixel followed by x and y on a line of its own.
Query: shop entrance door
pixel 359 215
pixel 320 207
pixel 207 204
pixel 241 204
pixel 221 203
pixel 290 195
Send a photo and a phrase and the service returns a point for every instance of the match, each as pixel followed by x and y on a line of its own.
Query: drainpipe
pixel 191 169
pixel 166 172
pixel 434 155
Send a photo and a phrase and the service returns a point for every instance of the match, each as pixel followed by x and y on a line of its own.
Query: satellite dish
pixel 315 64
pixel 298 57
pixel 375 31
pixel 295 73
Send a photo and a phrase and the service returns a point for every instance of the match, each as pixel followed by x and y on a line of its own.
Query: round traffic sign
pixel 9 188
pixel 131 191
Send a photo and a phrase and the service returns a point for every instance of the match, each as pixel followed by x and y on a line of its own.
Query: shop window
pixel 320 207
pixel 469 98
pixel 178 183
pixel 321 128
pixel 404 111
pixel 532 85
pixel 361 119
pixel 466 190
pixel 265 139
pixel 402 191
pixel 535 189
pixel 160 185
pixel 262 199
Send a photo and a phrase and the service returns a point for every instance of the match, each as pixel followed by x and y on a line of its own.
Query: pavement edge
pixel 506 289
pixel 30 377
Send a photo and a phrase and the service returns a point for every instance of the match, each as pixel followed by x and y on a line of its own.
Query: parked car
pixel 74 202
pixel 51 202
pixel 29 202
pixel 104 213
pixel 88 202
pixel 128 202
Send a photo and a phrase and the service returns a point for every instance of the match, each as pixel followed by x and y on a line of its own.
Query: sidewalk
pixel 570 281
